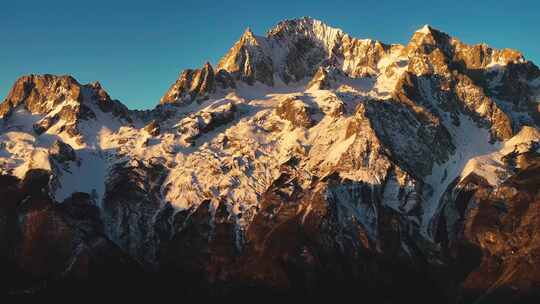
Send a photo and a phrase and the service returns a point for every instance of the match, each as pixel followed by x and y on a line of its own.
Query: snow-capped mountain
pixel 305 161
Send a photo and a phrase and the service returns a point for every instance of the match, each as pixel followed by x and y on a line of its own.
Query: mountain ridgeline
pixel 306 163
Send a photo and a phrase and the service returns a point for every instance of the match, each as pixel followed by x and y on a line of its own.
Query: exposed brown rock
pixel 153 128
pixel 105 103
pixel 499 223
pixel 52 246
pixel 205 121
pixel 39 93
pixel 296 111
pixel 62 152
pixel 246 61
pixel 192 85
pixel 44 124
pixel 322 80
pixel 224 79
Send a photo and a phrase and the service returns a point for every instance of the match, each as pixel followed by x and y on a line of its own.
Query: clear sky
pixel 136 49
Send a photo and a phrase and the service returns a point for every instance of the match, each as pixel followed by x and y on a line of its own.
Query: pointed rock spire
pixel 248 35
pixel 428 38
pixel 196 85
pixel 247 60
pixel 426 29
pixel 325 78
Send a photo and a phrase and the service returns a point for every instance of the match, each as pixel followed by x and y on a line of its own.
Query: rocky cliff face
pixel 308 162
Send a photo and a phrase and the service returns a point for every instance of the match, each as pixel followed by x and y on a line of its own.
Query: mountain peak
pixel 429 33
pixel 426 29
pixel 59 97
pixel 207 66
pixel 428 38
pixel 40 92
pixel 248 37
pixel 191 84
pixel 302 26
pixel 248 32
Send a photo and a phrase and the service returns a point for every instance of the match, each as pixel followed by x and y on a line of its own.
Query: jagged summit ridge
pixel 294 50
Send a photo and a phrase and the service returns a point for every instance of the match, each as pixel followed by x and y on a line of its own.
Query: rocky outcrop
pixel 494 225
pixel 153 128
pixel 60 102
pixel 478 76
pixel 194 85
pixel 426 139
pixel 130 203
pixel 247 60
pixel 105 103
pixel 62 152
pixel 224 80
pixel 460 95
pixel 205 120
pixel 296 111
pixel 324 79
pixel 41 93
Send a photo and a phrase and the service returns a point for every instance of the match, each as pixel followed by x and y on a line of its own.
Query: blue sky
pixel 136 49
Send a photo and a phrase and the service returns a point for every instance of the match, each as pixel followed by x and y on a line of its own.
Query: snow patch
pixel 87 175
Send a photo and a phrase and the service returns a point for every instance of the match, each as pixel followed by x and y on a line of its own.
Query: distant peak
pixel 35 92
pixel 429 37
pixel 248 37
pixel 207 65
pixel 248 32
pixel 430 30
pixel 47 78
pixel 96 84
pixel 304 19
pixel 426 29
pixel 300 25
